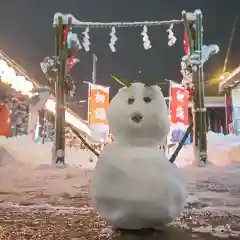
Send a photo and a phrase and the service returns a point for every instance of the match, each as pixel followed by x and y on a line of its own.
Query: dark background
pixel 27 37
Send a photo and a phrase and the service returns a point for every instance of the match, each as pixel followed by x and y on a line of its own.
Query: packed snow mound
pixel 137 188
pixel 222 150
pixel 138 115
pixel 134 185
pixel 6 159
pixel 26 151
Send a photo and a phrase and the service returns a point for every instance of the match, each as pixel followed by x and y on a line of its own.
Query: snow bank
pixel 222 150
pixel 26 175
pixel 24 150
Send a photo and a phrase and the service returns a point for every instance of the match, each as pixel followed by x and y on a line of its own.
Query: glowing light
pixel 27 88
pixel 3 66
pixel 8 75
pixel 222 77
pixel 19 83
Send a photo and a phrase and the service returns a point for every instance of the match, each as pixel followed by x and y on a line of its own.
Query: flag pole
pixel 94 80
pixel 89 95
pixel 169 110
pixel 94 72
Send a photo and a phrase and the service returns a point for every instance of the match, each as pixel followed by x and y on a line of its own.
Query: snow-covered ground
pixel 223 150
pixel 41 202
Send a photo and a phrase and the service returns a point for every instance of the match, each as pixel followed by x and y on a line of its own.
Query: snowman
pixel 134 185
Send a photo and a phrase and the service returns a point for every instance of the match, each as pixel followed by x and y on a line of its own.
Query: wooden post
pixel 194 33
pixel 61 53
pixel 201 110
pixel 191 39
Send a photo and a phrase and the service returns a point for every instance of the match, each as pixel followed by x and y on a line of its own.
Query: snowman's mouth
pixel 136 118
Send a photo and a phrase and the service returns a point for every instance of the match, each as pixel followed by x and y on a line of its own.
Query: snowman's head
pixel 138 115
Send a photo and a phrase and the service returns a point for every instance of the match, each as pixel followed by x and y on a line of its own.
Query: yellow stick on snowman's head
pixel 124 82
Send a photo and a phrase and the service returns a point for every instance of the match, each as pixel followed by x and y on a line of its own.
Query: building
pixel 216 120
pixel 7 89
pixel 230 86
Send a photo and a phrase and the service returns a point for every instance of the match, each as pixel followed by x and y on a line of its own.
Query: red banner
pixel 71 63
pixel 5 121
pixel 186 43
pixel 179 105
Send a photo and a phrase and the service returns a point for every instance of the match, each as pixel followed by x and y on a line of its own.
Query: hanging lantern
pixel 3 67
pixel 27 88
pixel 8 75
pixel 18 82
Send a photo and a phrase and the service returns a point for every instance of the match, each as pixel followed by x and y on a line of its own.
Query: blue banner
pixel 177 134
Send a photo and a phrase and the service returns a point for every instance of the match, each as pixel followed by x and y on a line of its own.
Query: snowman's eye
pixel 131 101
pixel 147 99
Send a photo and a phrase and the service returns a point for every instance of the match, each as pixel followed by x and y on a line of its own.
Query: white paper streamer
pixel 86 43
pixel 113 39
pixel 171 37
pixel 35 106
pixel 72 39
pixel 113 25
pixel 146 42
pixel 208 51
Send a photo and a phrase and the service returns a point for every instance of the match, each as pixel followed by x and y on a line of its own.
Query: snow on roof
pixel 232 80
pixel 73 118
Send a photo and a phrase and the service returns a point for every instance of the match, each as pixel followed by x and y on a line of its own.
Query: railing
pixel 71 117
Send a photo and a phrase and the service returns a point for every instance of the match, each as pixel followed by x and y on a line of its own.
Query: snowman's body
pixel 134 185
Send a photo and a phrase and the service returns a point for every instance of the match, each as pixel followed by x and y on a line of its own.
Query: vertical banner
pixel 98 103
pixel 5 121
pixel 185 43
pixel 178 111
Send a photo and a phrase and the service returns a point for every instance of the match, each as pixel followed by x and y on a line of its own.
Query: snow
pixel 128 197
pixel 223 150
pixel 25 169
pixel 154 125
pixel 213 204
pixel 134 185
pixel 26 151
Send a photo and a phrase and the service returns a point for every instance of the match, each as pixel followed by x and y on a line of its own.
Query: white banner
pixel 37 103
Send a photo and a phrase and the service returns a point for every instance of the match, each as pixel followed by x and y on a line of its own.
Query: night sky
pixel 27 37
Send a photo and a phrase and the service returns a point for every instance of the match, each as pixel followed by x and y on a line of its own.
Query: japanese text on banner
pixel 179 106
pixel 98 104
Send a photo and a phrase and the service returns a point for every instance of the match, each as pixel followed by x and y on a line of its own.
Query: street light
pixel 224 75
pixel 82 101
